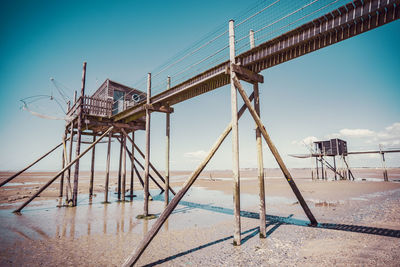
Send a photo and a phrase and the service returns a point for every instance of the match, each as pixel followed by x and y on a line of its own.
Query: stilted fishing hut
pixel 110 115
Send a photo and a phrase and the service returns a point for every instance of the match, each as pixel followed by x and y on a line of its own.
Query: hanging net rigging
pixel 48 106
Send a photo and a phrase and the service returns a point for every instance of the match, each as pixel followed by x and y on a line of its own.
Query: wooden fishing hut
pixel 331 148
pixel 94 116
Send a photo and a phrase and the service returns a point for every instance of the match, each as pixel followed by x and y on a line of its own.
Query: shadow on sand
pixel 276 221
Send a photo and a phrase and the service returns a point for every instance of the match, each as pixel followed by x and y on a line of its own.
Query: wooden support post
pixel 123 168
pixel 78 140
pixel 260 160
pixel 235 140
pixel 316 162
pixel 147 152
pixel 92 168
pixel 143 156
pixel 385 174
pixel 143 168
pixel 64 159
pixel 120 170
pixel 167 145
pixel 334 167
pixel 322 168
pixel 275 153
pixel 134 257
pixel 107 168
pixel 62 167
pixel 132 167
pixel 260 166
pixel 71 144
pixel 63 170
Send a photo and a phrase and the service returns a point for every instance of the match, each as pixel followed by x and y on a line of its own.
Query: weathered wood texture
pixel 333 27
pixel 235 140
pixel 78 140
pixel 133 258
pixel 63 170
pixel 275 153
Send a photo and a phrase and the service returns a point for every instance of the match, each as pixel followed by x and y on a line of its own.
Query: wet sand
pixel 359 223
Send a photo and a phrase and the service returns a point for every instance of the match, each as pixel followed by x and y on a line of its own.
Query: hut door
pixel 119 98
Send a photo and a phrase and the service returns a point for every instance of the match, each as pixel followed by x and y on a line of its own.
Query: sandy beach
pixel 359 222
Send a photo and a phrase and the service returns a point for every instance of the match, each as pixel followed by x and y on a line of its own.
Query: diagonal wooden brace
pixel 62 171
pixel 275 153
pixel 134 257
pixel 151 165
pixel 141 166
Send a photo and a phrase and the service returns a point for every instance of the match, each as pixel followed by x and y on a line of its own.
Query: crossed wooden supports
pixel 254 111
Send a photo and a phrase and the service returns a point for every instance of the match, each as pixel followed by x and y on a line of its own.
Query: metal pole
pixel 147 152
pixel 78 141
pixel 235 139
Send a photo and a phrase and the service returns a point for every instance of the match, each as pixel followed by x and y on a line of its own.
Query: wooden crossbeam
pixel 163 109
pixel 275 153
pixel 245 74
pixel 134 257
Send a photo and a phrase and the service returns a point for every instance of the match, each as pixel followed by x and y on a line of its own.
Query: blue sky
pixel 349 90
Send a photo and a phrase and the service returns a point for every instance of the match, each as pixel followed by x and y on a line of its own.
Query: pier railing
pixel 92 106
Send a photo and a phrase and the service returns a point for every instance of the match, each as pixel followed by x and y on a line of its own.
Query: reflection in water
pixel 73 222
pixel 105 218
pixel 145 226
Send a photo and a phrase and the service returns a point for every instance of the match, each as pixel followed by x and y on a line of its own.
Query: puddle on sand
pixel 25 183
pixel 43 219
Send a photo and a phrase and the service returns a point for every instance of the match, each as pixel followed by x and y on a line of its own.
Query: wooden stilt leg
pixel 78 141
pixel 143 168
pixel 151 165
pixel 235 141
pixel 134 257
pixel 71 145
pixel 120 170
pixel 62 167
pixel 107 169
pixel 92 168
pixel 167 132
pixel 260 166
pixel 147 152
pixel 123 168
pixel 63 170
pixel 275 153
pixel 132 168
pixel 334 166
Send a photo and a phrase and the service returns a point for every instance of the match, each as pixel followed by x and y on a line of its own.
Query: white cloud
pixel 389 136
pixel 356 133
pixel 196 155
pixel 308 141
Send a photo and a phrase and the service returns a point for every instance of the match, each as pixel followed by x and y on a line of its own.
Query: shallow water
pixel 43 219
